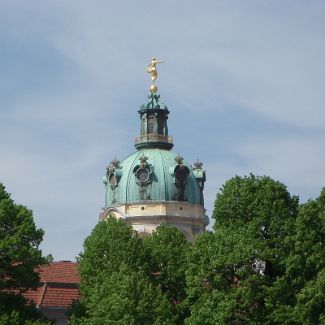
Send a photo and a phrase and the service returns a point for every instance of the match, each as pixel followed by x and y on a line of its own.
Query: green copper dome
pixel 151 175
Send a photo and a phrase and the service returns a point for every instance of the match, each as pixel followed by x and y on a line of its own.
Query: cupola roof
pixel 154 129
pixel 153 173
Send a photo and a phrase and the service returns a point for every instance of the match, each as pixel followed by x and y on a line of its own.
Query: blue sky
pixel 244 81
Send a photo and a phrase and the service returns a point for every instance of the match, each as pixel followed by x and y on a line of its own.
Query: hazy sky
pixel 244 81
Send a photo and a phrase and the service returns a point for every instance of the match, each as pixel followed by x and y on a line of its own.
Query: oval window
pixel 143 175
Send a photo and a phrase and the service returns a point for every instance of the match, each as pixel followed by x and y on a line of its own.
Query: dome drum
pixel 152 214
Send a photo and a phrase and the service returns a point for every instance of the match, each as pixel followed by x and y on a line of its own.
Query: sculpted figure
pixel 152 69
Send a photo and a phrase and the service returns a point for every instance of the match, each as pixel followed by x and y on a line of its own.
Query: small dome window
pixel 142 175
pixel 143 171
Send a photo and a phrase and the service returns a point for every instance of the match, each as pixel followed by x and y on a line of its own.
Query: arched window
pixel 151 122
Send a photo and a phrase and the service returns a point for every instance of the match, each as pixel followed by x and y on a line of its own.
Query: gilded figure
pixel 152 69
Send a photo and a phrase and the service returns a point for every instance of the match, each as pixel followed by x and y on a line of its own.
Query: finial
pixel 179 159
pixel 143 161
pixel 198 164
pixel 114 164
pixel 152 69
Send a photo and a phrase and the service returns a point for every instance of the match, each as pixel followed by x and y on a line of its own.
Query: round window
pixel 143 175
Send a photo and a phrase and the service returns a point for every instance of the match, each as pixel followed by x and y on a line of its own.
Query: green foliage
pixel 126 297
pixel 255 215
pixel 19 245
pixel 230 270
pixel 76 312
pixel 168 249
pixel 19 257
pixel 14 309
pixel 15 319
pixel 115 279
pixel 264 263
pixel 111 244
pixel 200 277
pixel 298 297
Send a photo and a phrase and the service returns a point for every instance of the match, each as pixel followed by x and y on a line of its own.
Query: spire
pixel 153 115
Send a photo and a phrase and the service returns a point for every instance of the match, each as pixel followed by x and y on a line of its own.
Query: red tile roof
pixel 59 297
pixel 62 272
pixel 58 285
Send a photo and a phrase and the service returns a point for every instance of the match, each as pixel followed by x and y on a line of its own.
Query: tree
pixel 20 256
pixel 264 263
pixel 15 310
pixel 115 279
pixel 201 281
pixel 168 249
pixel 231 269
pixel 298 297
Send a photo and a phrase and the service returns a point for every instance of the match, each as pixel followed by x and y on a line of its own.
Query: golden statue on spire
pixel 152 69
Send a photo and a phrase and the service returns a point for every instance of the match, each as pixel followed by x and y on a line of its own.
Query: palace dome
pixel 152 174
pixel 155 185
